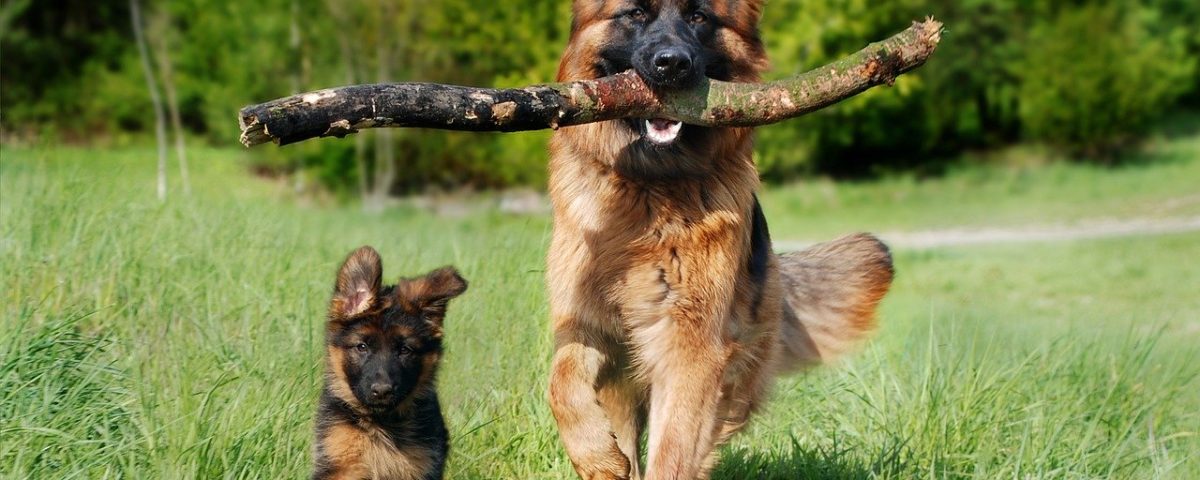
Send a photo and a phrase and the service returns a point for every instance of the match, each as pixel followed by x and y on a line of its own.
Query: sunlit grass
pixel 182 340
pixel 1029 186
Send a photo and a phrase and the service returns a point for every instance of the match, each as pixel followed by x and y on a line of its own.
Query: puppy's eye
pixel 698 17
pixel 405 350
pixel 636 14
pixel 362 347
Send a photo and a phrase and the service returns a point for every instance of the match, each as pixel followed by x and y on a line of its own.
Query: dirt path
pixel 1088 229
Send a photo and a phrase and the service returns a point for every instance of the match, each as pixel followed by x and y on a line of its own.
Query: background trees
pixel 1089 77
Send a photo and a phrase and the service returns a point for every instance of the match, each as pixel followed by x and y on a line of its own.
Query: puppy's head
pixel 383 343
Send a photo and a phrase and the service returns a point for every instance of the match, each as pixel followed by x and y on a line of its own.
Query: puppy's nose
pixel 379 390
pixel 672 62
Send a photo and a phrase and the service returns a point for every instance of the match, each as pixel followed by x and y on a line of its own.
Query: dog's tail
pixel 831 291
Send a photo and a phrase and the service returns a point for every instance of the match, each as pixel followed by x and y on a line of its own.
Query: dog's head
pixel 670 43
pixel 383 343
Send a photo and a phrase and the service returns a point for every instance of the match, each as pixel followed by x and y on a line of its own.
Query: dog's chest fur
pixel 646 249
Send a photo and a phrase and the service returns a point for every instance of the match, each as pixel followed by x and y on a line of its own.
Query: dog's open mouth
pixel 661 132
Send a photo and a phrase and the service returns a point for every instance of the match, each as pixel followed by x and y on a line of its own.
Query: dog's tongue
pixel 662 131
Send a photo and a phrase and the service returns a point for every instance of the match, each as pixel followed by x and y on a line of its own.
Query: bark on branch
pixel 344 110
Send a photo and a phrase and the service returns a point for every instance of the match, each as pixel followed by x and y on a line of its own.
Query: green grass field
pixel 183 340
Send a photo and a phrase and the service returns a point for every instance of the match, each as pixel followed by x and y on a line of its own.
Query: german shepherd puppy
pixel 379 416
pixel 671 313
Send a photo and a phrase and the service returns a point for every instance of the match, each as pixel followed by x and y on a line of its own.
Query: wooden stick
pixel 344 110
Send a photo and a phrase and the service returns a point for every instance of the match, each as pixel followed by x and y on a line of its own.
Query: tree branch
pixel 344 110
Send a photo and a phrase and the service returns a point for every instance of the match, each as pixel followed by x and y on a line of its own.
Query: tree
pixel 160 134
pixel 1119 78
pixel 163 45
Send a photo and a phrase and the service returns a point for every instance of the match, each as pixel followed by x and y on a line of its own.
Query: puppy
pixel 379 416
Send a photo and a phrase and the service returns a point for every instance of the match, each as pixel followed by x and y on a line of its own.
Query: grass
pixel 1158 182
pixel 182 340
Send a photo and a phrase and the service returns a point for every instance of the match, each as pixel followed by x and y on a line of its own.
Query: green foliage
pixel 1099 77
pixel 1083 75
pixel 979 90
pixel 879 129
pixel 51 53
pixel 1181 17
pixel 468 42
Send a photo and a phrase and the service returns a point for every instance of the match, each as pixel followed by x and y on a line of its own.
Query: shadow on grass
pixel 1173 132
pixel 1181 124
pixel 837 461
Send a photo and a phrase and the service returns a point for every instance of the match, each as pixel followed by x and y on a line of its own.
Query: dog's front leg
pixel 584 427
pixel 684 394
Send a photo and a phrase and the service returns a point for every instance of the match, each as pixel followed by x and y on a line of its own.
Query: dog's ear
pixel 357 284
pixel 429 294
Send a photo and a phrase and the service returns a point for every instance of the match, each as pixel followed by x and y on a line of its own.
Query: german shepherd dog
pixel 378 416
pixel 671 313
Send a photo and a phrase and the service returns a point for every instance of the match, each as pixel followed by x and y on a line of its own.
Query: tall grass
pixel 66 407
pixel 183 340
pixel 1083 408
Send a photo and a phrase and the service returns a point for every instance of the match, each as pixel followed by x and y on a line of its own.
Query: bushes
pixel 1097 77
pixel 963 98
pixel 1087 76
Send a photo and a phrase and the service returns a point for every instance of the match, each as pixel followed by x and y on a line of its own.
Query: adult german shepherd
pixel 670 311
pixel 379 416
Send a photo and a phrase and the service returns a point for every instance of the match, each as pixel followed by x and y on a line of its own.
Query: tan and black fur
pixel 671 314
pixel 379 416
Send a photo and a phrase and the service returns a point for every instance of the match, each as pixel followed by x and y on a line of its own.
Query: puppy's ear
pixel 431 293
pixel 357 284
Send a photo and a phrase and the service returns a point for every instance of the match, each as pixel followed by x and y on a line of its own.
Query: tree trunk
pixel 343 26
pixel 168 79
pixel 385 143
pixel 160 133
pixel 341 111
pixel 294 44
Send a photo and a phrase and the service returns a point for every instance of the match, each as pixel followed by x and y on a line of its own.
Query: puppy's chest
pixel 384 460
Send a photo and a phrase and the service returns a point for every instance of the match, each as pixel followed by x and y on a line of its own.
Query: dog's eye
pixel 362 347
pixel 699 17
pixel 637 14
pixel 405 350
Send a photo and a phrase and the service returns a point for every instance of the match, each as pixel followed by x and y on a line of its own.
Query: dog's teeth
pixel 662 131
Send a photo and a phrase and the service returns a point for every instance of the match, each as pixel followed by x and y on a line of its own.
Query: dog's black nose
pixel 672 63
pixel 379 390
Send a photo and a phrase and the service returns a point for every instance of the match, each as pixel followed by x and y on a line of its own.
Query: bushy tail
pixel 830 294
